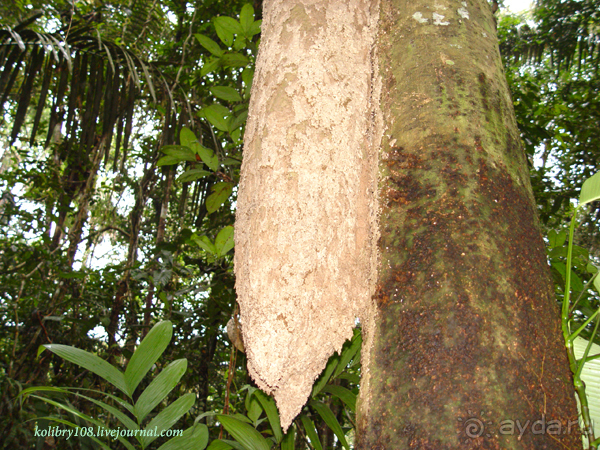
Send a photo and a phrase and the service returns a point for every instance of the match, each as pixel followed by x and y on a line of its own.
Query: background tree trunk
pixel 465 338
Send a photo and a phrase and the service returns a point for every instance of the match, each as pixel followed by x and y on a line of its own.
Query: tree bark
pixel 463 349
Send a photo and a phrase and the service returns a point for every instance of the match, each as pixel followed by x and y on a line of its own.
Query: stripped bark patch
pixel 305 231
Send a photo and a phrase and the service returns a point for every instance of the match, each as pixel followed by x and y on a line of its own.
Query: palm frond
pixel 87 84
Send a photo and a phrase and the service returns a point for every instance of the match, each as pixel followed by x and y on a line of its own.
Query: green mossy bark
pixel 466 331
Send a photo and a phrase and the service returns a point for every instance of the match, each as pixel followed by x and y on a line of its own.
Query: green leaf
pixel 168 416
pixel 168 161
pixel 182 152
pixel 92 363
pixel 147 353
pixel 311 432
pixel 348 353
pixel 229 24
pixel 205 243
pixel 221 192
pixel 209 45
pixel 194 438
pixel 226 93
pixel 345 395
pixel 187 137
pixel 226 27
pixel 253 408
pixel 207 156
pixel 289 439
pixel 218 444
pixel 234 59
pixel 224 240
pixel 322 381
pixel 247 18
pixel 255 28
pixel 590 191
pixel 159 388
pixel 556 239
pixel 238 121
pixel 597 283
pixel 244 433
pixel 270 408
pixel 331 421
pixel 217 115
pixel 210 65
pixel 121 417
pixel 576 283
pixel 192 175
pixel 247 76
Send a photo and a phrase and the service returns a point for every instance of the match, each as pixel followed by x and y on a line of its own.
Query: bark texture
pixel 464 348
pixel 304 233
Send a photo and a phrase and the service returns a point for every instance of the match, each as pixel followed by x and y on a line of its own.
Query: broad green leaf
pixel 351 377
pixel 243 433
pixel 556 239
pixel 210 65
pixel 288 440
pixel 224 240
pixel 121 417
pixel 205 243
pixel 169 416
pixel 234 59
pixel 322 381
pixel 228 23
pixel 209 45
pixel 168 161
pixel 187 137
pixel 218 444
pixel 234 444
pixel 255 28
pixel 331 421
pixel 253 409
pixel 183 152
pixel 345 395
pixel 231 162
pixel 208 157
pixel 590 191
pixel 159 388
pixel 246 18
pixel 218 116
pixel 348 353
pixel 194 438
pixel 247 76
pixel 226 93
pixel 576 283
pixel 147 353
pixel 311 432
pixel 92 363
pixel 192 175
pixel 239 43
pixel 597 283
pixel 224 29
pixel 238 121
pixel 270 408
pixel 221 192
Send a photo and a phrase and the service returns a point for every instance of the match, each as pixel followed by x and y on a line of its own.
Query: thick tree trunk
pixel 464 348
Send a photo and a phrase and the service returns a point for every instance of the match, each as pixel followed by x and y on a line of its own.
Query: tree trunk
pixel 463 349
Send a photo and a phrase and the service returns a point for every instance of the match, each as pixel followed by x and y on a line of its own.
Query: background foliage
pixel 121 135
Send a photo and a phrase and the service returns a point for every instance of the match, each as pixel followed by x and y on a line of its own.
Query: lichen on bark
pixel 465 325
